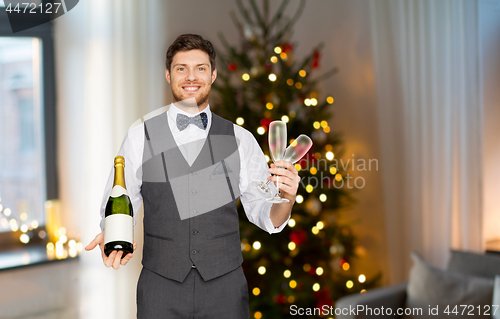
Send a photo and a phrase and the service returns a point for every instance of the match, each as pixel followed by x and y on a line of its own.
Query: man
pixel 188 167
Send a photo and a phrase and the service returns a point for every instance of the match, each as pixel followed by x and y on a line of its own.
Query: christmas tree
pixel 308 264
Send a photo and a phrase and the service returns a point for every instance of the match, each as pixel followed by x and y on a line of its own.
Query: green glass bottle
pixel 118 221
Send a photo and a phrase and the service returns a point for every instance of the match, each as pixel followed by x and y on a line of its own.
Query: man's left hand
pixel 287 179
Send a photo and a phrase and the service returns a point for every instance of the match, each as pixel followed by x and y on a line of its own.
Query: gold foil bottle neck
pixel 119 160
pixel 119 172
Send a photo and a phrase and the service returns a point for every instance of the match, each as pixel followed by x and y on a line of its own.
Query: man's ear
pixel 214 75
pixel 167 75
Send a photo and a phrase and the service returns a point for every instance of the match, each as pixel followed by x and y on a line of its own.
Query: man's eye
pixel 180 69
pixel 201 69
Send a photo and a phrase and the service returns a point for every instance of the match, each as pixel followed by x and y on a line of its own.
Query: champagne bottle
pixel 118 221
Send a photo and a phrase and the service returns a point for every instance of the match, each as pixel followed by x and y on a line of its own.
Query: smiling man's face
pixel 190 77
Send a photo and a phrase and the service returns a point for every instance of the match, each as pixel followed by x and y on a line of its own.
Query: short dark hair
pixel 187 42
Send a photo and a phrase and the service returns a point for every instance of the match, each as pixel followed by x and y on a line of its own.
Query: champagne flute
pixel 299 147
pixel 277 145
pixel 293 153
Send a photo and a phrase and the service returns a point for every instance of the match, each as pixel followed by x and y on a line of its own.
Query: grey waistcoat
pixel 190 215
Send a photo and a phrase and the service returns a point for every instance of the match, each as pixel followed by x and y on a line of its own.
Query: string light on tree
pixel 349 284
pixel 299 199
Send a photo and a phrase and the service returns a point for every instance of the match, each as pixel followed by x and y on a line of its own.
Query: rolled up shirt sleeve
pixel 254 168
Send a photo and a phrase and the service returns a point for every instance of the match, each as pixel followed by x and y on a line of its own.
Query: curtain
pixel 110 71
pixel 426 58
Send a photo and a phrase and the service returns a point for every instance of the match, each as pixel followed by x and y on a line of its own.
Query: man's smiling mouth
pixel 191 88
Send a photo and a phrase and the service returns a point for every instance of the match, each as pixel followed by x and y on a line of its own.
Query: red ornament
pixel 323 298
pixel 315 61
pixel 265 123
pixel 298 237
pixel 232 67
pixel 280 299
pixel 312 271
pixel 286 47
pixel 268 66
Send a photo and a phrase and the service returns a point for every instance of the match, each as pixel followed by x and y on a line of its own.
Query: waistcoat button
pixel 194 232
pixel 193 192
pixel 193 211
pixel 194 252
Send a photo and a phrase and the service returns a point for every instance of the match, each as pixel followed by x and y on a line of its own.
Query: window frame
pixel 10 239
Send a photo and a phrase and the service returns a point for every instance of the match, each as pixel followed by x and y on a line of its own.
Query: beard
pixel 189 102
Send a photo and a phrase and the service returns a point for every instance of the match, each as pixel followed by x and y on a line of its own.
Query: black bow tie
pixel 200 120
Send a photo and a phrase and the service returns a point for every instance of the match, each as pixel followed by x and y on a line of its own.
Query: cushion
pixel 469 263
pixel 430 287
pixel 495 311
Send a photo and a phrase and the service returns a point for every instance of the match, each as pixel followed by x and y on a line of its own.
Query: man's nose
pixel 191 75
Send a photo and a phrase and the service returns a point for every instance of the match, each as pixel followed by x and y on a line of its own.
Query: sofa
pixel 470 278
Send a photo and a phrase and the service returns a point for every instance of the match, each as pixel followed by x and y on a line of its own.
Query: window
pixel 27 131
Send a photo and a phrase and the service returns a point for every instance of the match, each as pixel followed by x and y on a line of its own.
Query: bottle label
pixel 118 191
pixel 118 227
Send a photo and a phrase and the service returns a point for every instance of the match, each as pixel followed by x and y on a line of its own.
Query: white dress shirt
pixel 253 166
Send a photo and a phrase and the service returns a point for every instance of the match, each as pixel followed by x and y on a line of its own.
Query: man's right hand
pixel 115 258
